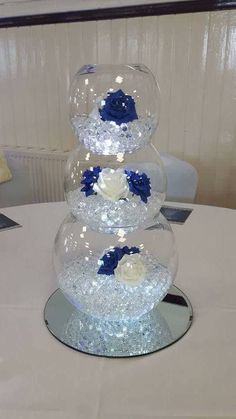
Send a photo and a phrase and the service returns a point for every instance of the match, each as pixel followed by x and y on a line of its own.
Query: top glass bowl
pixel 114 108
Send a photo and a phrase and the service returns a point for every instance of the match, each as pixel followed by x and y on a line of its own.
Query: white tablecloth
pixel 194 378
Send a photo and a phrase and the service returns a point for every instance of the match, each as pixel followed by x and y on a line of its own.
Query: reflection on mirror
pixel 160 327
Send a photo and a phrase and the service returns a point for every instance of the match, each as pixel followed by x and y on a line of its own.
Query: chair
pixel 182 179
pixel 17 191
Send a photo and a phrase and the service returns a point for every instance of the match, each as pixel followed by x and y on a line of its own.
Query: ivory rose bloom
pixel 112 184
pixel 130 270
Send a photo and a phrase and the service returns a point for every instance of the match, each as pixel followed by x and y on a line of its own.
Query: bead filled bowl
pixel 116 191
pixel 114 109
pixel 115 276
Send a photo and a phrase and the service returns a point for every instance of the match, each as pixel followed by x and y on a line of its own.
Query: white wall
pixel 192 55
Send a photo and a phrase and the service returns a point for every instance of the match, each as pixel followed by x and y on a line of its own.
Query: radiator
pixel 37 177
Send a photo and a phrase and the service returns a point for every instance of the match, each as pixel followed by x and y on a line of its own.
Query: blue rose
pixel 87 69
pixel 119 108
pixel 139 184
pixel 110 259
pixel 130 250
pixel 89 178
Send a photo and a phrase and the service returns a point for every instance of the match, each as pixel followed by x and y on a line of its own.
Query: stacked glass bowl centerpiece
pixel 114 255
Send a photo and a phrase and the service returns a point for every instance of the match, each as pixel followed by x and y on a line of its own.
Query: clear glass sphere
pixel 115 191
pixel 114 108
pixel 115 277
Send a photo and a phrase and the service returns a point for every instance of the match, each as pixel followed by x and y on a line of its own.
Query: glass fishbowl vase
pixel 115 276
pixel 115 191
pixel 114 108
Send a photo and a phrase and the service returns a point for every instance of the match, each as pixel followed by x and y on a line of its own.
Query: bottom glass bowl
pixel 115 277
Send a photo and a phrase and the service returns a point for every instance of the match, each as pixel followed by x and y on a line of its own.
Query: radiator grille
pixel 42 173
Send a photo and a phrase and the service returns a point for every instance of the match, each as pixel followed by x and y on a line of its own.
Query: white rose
pixel 130 270
pixel 112 184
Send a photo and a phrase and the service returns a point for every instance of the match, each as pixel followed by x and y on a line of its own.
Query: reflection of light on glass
pixel 86 258
pixel 108 143
pixel 72 175
pixel 86 81
pixel 77 164
pixel 87 156
pixel 141 246
pixel 91 90
pixel 84 229
pixel 120 157
pixel 119 79
pixel 103 102
pixel 82 235
pixel 134 91
pixel 67 249
pixel 75 244
pixel 121 233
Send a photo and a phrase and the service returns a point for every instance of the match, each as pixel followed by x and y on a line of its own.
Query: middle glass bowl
pixel 116 191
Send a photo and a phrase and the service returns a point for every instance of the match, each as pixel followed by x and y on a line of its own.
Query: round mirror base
pixel 156 330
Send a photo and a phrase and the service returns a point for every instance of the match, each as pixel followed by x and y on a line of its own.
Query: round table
pixel 41 378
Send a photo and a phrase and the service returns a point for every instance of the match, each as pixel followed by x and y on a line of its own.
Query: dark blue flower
pixel 111 259
pixel 130 250
pixel 119 108
pixel 139 184
pixel 87 69
pixel 89 178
